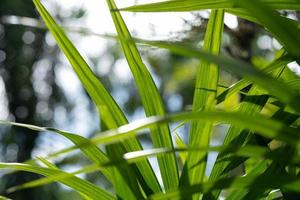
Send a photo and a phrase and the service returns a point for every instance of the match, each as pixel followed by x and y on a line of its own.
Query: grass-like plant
pixel 125 164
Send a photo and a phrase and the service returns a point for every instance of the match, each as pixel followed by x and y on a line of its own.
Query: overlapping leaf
pixel 261 124
pixel 261 181
pixel 124 149
pixel 72 181
pixel 137 156
pixel 193 5
pixel 110 112
pixel 204 99
pixel 52 178
pixel 277 63
pixel 275 87
pixel 151 99
pixel 253 103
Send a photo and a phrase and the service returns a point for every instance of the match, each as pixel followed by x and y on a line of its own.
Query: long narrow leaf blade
pixel 125 186
pixel 72 181
pixel 275 87
pixel 93 86
pixel 193 5
pixel 51 179
pixel 258 169
pixel 110 112
pixel 4 198
pixel 137 156
pixel 236 87
pixel 262 125
pixel 262 181
pixel 253 103
pixel 150 98
pixel 204 99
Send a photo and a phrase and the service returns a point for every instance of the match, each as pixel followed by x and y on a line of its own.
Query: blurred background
pixel 38 85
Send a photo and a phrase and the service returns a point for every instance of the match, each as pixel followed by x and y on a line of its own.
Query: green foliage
pixel 125 164
pixel 150 97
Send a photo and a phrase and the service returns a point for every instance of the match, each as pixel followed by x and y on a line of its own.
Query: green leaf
pixel 47 163
pixel 279 155
pixel 242 13
pixel 258 169
pixel 253 103
pixel 110 112
pixel 151 99
pixel 262 181
pixel 52 178
pixel 4 198
pixel 295 83
pixel 180 144
pixel 137 156
pixel 96 156
pixel 266 127
pixel 72 181
pixel 275 87
pixel 261 124
pixel 204 99
pixel 193 5
pixel 103 100
pixel 119 176
pixel 236 87
pixel 254 192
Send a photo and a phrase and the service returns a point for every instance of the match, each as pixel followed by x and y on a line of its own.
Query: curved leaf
pixel 253 103
pixel 72 181
pixel 193 5
pixel 151 99
pixel 204 99
pixel 277 63
pixel 110 112
pixel 262 181
pixel 261 124
pixel 275 87
pixel 52 178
